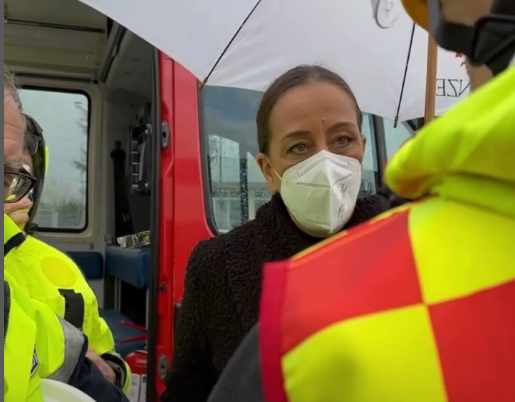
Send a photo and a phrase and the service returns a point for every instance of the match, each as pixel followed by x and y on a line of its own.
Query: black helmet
pixel 36 147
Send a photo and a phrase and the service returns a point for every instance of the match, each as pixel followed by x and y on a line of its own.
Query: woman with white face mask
pixel 311 150
pixel 312 147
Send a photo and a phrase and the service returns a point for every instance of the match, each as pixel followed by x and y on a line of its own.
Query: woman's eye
pixel 298 148
pixel 342 140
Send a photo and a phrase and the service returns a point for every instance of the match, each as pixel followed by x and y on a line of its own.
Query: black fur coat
pixel 222 290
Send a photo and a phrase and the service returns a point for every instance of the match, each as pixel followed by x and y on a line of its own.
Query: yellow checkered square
pixel 443 235
pixel 384 357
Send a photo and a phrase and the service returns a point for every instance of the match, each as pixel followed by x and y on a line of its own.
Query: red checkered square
pixel 475 337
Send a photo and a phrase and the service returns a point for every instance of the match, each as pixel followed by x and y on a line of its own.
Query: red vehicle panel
pixel 182 213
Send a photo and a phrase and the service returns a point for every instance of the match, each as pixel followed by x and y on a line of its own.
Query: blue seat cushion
pixel 121 331
pixel 129 264
pixel 91 263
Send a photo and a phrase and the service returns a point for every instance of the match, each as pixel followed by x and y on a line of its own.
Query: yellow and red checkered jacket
pixel 418 304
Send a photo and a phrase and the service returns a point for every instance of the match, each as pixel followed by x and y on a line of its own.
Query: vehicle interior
pixel 91 85
pixel 93 101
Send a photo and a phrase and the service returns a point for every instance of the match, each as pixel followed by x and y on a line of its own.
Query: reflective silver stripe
pixel 73 348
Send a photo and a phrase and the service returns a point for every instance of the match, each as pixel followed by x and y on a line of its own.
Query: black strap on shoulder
pixel 7 308
pixel 74 309
pixel 13 242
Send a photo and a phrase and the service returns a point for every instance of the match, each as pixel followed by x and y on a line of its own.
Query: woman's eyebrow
pixel 342 125
pixel 295 135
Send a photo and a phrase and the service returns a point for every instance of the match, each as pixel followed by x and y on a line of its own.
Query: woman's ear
pixel 268 171
pixel 364 142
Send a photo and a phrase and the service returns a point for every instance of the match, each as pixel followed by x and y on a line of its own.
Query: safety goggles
pixel 17 185
pixel 34 136
pixel 33 143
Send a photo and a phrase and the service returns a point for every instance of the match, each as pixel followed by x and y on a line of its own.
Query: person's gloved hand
pixel 106 370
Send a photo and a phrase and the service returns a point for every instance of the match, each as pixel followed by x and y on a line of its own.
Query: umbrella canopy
pixel 248 43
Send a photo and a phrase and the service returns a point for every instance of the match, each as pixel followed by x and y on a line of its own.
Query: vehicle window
pixel 395 136
pixel 64 118
pixel 236 186
pixel 370 172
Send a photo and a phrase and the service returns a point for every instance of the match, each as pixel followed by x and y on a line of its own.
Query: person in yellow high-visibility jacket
pixel 51 277
pixel 30 354
pixel 38 344
pixel 416 304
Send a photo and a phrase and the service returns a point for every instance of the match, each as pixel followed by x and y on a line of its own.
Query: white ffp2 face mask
pixel 321 191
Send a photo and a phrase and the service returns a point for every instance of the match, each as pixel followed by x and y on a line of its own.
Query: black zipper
pixel 13 242
pixel 7 308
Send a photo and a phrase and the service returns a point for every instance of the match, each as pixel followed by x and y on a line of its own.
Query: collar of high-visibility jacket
pixel 472 141
pixel 10 228
pixel 13 236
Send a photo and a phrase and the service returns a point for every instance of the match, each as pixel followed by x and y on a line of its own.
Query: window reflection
pixel 369 172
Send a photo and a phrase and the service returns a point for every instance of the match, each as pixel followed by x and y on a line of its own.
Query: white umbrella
pixel 248 43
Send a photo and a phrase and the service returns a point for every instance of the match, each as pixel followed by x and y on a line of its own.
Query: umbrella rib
pixel 204 81
pixel 404 77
